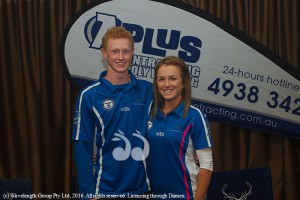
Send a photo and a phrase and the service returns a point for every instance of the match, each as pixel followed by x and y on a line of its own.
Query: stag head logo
pixel 243 196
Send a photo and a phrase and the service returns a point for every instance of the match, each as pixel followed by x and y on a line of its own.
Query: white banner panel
pixel 235 79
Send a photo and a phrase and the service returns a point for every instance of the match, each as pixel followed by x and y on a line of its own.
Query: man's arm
pixel 83 160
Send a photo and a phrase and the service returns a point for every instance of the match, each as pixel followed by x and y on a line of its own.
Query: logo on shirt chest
pixel 176 128
pixel 108 104
pixel 139 101
pixel 160 134
pixel 125 109
pixel 136 101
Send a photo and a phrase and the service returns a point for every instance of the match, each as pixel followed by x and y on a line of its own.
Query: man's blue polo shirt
pixel 117 117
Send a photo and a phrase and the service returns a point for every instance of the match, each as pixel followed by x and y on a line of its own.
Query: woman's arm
pixel 205 172
pixel 203 182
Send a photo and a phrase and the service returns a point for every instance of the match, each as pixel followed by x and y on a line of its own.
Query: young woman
pixel 176 131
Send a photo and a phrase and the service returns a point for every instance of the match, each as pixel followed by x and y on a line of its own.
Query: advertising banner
pixel 235 79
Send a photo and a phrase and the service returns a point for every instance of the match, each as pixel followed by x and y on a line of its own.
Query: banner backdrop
pixel 235 79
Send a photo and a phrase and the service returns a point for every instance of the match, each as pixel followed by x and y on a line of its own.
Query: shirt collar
pixel 112 88
pixel 178 111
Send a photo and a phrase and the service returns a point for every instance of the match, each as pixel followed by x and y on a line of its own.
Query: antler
pixel 247 193
pixel 228 196
pixel 244 194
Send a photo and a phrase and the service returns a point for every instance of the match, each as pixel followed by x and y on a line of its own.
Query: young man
pixel 113 111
